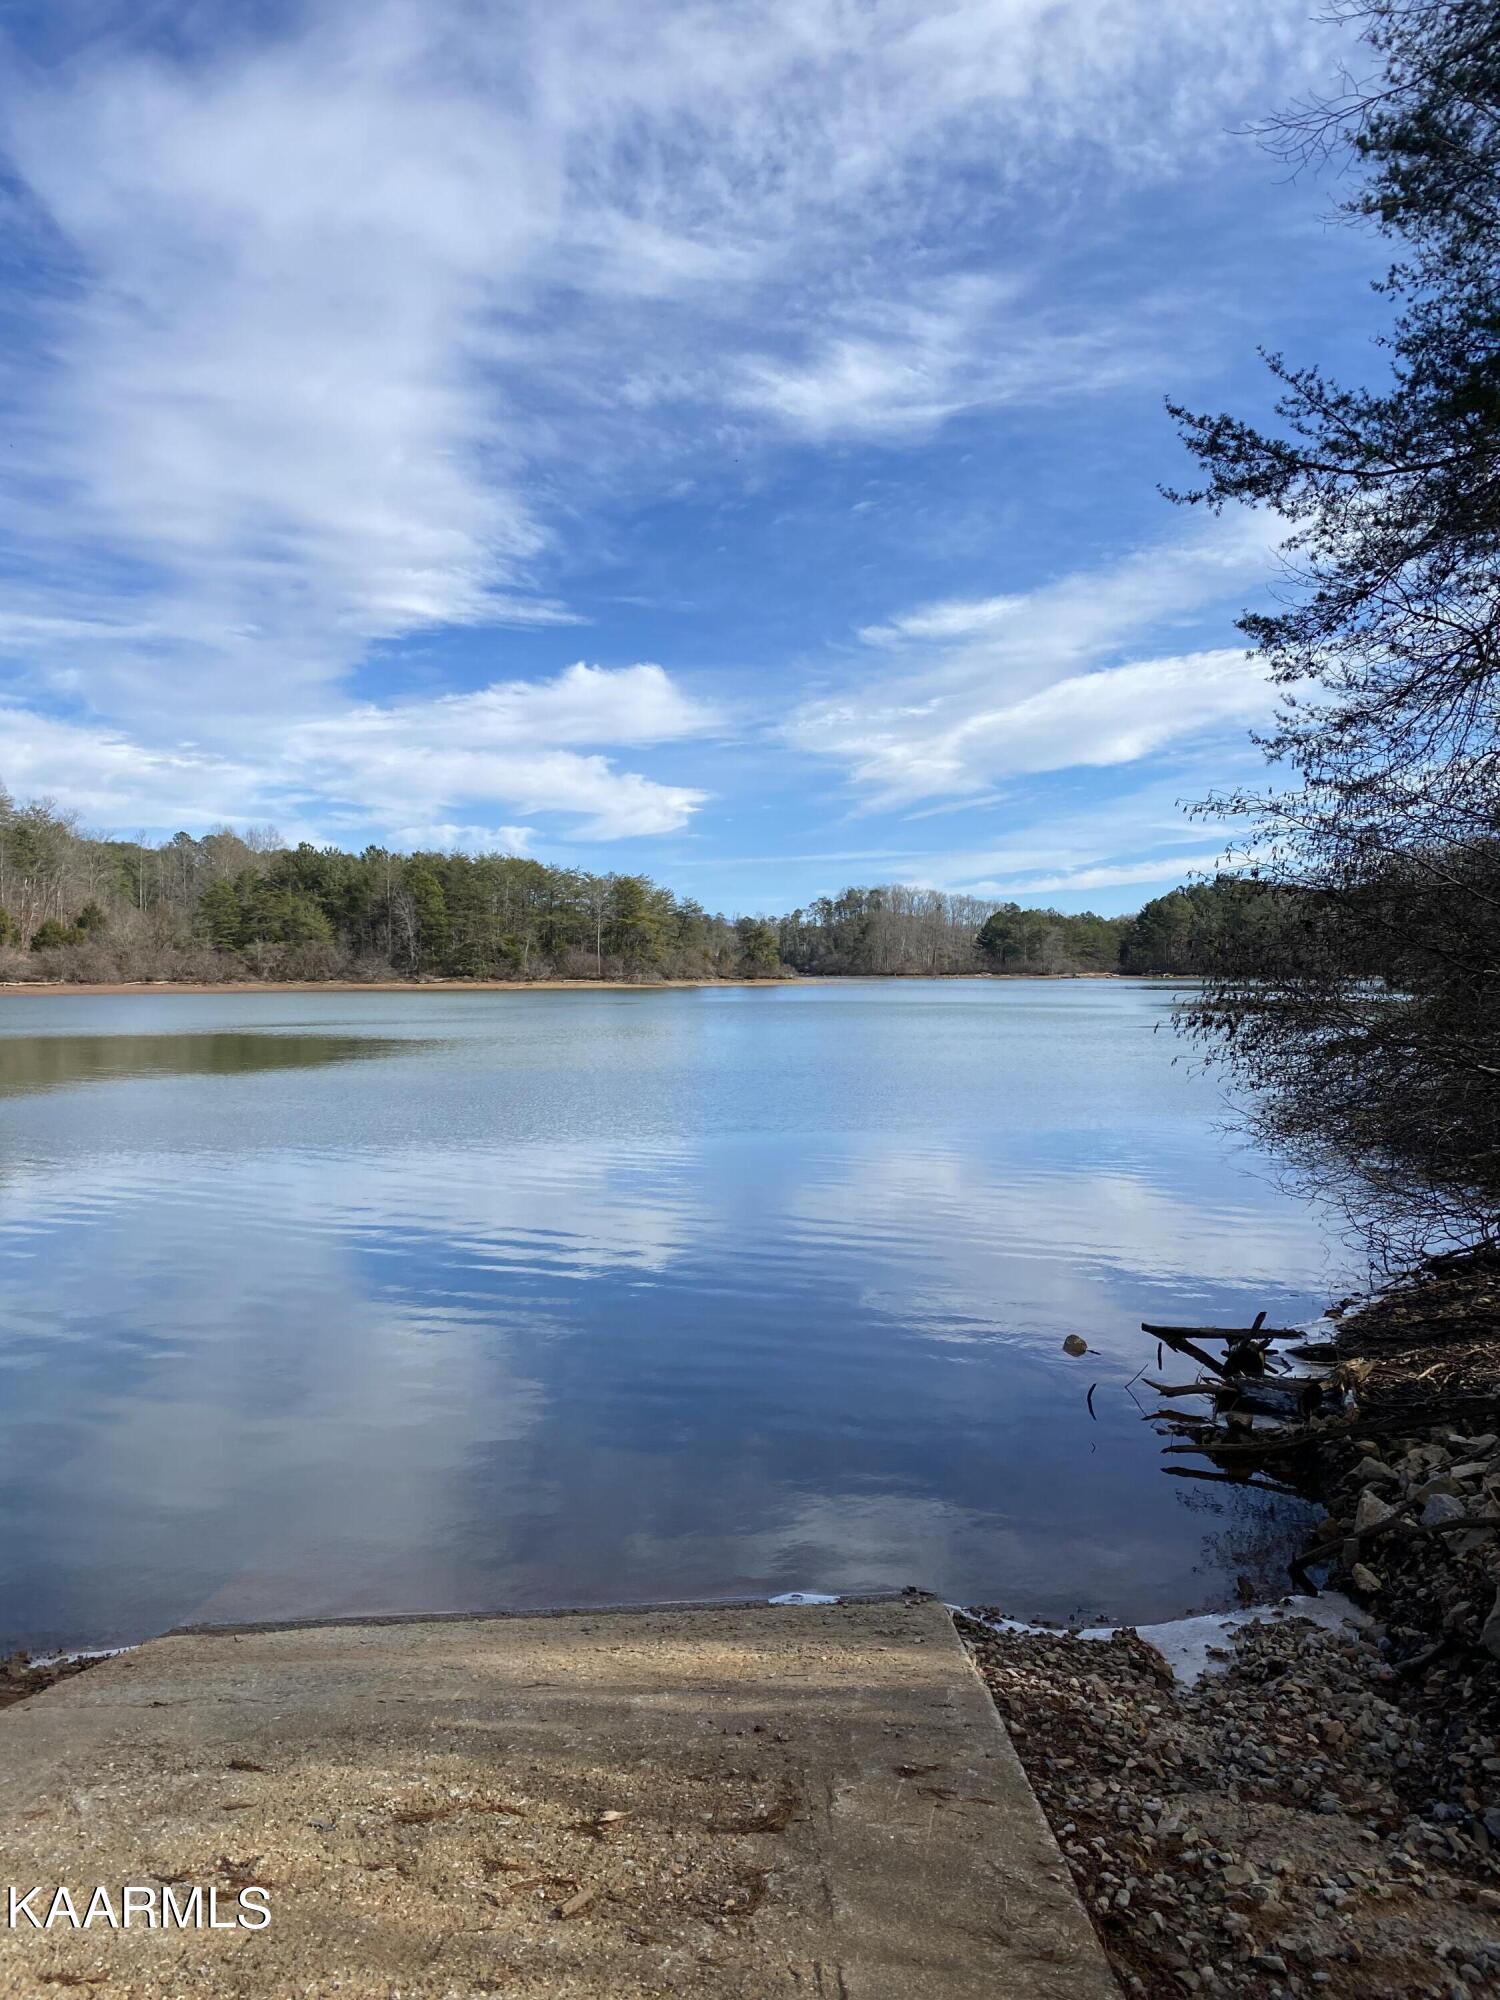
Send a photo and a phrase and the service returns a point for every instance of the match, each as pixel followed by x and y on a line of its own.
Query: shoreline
pixel 1321 1813
pixel 123 987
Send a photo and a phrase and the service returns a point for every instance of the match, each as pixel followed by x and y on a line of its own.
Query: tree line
pixel 228 906
pixel 897 930
pixel 233 906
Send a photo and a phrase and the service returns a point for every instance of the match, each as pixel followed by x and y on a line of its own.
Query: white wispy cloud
pixel 341 312
pixel 583 704
pixel 1158 868
pixel 1135 833
pixel 395 766
pixel 973 692
pixel 898 369
pixel 446 838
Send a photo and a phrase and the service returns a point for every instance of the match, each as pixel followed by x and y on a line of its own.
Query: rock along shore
pixel 1321 1813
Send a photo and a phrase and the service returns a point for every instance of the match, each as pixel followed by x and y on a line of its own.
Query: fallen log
pixel 1272 1394
pixel 1249 1333
pixel 1401 1519
pixel 1181 1345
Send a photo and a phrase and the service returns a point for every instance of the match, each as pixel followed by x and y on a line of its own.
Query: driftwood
pixel 1262 1335
pixel 1241 1387
pixel 1179 1342
pixel 1401 1519
pixel 1261 1395
pixel 1315 1350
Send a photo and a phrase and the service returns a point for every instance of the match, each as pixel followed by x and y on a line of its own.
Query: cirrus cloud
pixel 341 321
pixel 971 693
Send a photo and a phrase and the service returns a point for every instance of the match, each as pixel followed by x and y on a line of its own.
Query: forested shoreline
pixel 228 907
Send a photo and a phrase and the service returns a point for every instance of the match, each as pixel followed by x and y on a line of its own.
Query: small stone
pixel 1366 1582
pixel 1440 1483
pixel 1372 1512
pixel 1440 1509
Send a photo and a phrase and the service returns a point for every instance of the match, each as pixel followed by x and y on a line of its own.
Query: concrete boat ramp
pixel 753 1801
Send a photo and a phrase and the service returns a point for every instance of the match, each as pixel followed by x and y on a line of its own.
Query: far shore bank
pixel 11 987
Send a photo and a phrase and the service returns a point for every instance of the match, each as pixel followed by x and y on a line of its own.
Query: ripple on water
pixel 437 1302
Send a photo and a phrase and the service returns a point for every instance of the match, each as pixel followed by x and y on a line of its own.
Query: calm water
pixel 325 1303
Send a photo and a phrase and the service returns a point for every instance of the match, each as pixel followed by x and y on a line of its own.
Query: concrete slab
pixel 738 1802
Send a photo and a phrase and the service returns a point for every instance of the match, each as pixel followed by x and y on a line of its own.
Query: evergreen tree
pixel 430 912
pixel 1386 645
pixel 220 919
pixel 758 956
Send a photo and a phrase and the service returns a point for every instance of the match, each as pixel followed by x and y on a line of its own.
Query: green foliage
pixel 431 932
pixel 220 919
pixel 1209 926
pixel 636 923
pixel 1018 940
pixel 52 934
pixel 278 915
pixel 759 956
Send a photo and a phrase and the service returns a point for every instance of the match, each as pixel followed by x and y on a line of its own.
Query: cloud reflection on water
pixel 368 1338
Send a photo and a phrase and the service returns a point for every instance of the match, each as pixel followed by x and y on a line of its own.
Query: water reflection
pixel 57 1062
pixel 589 1298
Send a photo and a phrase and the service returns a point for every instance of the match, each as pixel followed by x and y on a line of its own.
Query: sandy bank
pixel 22 986
pixel 61 986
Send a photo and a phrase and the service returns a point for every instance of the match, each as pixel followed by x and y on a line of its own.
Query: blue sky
pixel 716 440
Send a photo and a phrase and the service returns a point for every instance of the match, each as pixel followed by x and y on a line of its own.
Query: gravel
pixel 1284 1827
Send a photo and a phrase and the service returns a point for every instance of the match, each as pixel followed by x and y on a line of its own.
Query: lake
pixel 327 1303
